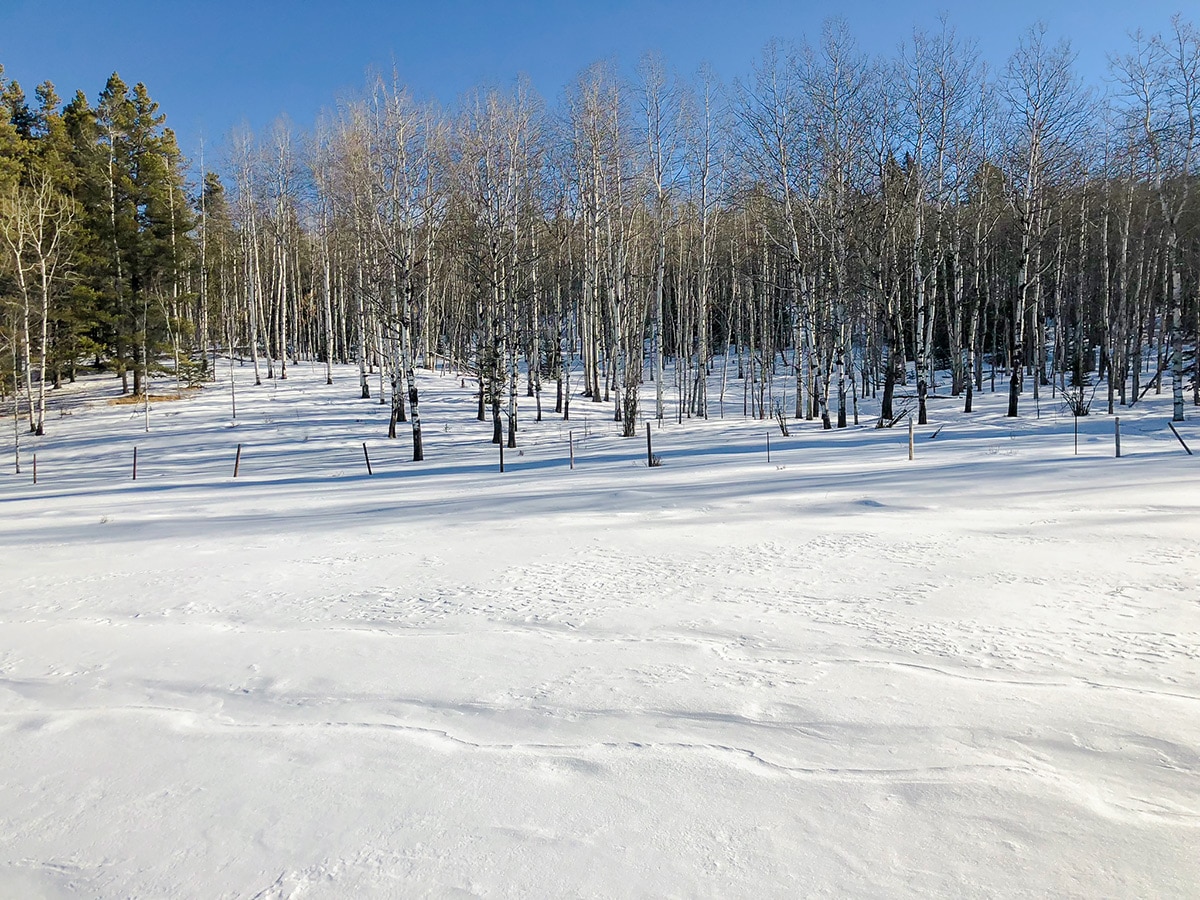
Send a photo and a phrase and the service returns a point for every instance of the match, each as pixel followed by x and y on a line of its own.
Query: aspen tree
pixel 1161 78
pixel 1047 108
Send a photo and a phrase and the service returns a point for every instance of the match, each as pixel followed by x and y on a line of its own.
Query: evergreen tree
pixel 137 274
pixel 218 259
pixel 9 171
pixel 90 328
pixel 10 142
pixel 18 113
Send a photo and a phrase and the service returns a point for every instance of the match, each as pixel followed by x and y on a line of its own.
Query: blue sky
pixel 212 65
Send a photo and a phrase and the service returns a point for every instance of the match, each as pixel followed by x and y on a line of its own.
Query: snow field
pixel 840 673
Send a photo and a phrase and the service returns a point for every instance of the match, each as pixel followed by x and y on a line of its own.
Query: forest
pixel 899 228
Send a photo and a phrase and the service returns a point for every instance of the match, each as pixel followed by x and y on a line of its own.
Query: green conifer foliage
pixel 120 299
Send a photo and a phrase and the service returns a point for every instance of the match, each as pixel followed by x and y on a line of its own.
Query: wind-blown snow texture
pixel 839 673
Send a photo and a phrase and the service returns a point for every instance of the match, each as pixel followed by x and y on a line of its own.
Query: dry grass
pixel 137 399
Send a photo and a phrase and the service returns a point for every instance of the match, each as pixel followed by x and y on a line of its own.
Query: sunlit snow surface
pixel 839 673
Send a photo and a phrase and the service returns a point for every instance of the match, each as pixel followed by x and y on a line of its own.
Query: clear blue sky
pixel 212 65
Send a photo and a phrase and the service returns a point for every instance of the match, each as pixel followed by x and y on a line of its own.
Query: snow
pixel 839 673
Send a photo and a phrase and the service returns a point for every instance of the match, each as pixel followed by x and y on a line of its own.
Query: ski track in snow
pixel 840 673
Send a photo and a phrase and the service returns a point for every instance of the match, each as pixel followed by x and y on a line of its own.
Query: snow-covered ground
pixel 837 673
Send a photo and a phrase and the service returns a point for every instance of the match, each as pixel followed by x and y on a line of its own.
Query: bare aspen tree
pixel 204 336
pixel 350 180
pixel 282 182
pixel 396 157
pixel 1161 78
pixel 320 168
pixel 662 137
pixel 982 190
pixel 885 257
pixel 919 100
pixel 559 176
pixel 774 134
pixel 706 162
pixel 35 224
pixel 615 313
pixel 835 78
pixel 939 79
pixel 1047 108
pixel 499 148
pixel 243 160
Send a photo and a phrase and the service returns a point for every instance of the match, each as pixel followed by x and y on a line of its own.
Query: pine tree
pixel 90 328
pixel 137 184
pixel 9 141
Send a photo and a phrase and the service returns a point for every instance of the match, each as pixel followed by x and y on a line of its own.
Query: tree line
pixel 855 224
